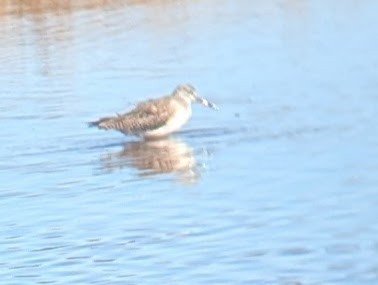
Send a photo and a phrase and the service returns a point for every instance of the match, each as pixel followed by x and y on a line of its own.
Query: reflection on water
pixel 155 157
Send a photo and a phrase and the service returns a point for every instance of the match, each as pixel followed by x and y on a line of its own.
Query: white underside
pixel 175 123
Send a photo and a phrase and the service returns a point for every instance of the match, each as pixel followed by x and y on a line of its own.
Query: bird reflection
pixel 155 157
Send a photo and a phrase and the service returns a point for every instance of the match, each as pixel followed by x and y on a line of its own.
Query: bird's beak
pixel 206 103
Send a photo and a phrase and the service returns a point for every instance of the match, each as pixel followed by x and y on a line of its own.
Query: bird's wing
pixel 148 115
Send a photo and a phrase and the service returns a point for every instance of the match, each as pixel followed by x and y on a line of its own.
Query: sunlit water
pixel 277 187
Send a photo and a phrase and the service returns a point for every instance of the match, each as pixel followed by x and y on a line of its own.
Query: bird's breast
pixel 179 117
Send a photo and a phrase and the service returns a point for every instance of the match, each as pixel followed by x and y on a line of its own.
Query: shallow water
pixel 277 187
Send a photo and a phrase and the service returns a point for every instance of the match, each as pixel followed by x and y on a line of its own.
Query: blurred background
pixel 277 187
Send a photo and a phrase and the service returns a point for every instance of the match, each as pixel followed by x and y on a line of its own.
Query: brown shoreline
pixel 21 7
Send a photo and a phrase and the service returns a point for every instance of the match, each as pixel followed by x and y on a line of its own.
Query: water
pixel 277 187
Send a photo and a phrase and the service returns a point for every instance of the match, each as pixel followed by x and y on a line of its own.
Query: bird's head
pixel 189 94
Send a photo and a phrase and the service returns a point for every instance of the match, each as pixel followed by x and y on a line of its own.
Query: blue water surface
pixel 277 187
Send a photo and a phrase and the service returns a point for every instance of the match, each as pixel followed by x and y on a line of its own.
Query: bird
pixel 156 118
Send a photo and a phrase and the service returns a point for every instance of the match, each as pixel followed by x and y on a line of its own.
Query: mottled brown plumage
pixel 156 117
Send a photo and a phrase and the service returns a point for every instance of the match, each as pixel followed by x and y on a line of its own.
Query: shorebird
pixel 156 118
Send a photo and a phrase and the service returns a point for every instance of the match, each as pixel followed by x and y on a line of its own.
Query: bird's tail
pixel 105 123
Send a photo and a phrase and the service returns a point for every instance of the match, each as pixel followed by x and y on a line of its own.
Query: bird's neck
pixel 185 101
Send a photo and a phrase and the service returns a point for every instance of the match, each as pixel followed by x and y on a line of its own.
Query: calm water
pixel 277 187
